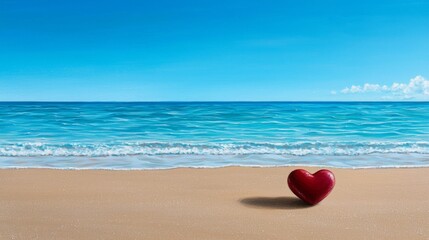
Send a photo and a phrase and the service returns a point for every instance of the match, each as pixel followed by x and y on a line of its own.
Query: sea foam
pixel 156 148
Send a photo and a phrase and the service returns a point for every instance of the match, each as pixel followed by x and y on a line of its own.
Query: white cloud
pixel 417 87
pixel 367 87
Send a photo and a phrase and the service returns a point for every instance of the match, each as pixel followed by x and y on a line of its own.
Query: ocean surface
pixel 214 134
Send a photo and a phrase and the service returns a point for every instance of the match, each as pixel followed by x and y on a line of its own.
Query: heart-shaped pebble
pixel 311 188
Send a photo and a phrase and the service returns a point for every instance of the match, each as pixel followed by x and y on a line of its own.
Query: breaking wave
pixel 32 149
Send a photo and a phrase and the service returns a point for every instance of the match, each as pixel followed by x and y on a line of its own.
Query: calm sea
pixel 168 135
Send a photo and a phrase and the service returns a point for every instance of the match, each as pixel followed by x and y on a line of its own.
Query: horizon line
pixel 239 101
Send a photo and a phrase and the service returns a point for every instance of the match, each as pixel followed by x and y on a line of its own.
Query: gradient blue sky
pixel 211 50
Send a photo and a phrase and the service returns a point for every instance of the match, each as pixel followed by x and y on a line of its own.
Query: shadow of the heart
pixel 274 202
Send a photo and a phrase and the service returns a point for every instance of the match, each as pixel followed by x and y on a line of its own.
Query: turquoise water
pixel 168 135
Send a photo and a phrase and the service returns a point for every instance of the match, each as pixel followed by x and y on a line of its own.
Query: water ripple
pixel 218 129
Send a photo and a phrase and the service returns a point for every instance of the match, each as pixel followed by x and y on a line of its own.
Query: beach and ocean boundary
pixel 218 203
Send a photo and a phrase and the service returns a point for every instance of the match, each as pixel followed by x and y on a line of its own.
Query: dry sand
pixel 224 203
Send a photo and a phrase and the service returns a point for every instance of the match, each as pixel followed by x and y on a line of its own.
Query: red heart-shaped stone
pixel 311 188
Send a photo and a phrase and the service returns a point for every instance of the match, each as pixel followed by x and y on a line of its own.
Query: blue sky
pixel 213 50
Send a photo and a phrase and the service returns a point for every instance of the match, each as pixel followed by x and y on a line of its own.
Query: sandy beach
pixel 222 203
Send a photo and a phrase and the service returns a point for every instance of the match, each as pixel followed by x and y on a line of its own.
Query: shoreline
pixel 210 203
pixel 214 167
pixel 143 162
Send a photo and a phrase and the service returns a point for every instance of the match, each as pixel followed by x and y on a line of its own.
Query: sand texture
pixel 223 203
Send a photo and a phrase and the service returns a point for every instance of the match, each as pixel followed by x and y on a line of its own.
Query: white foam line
pixel 215 167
